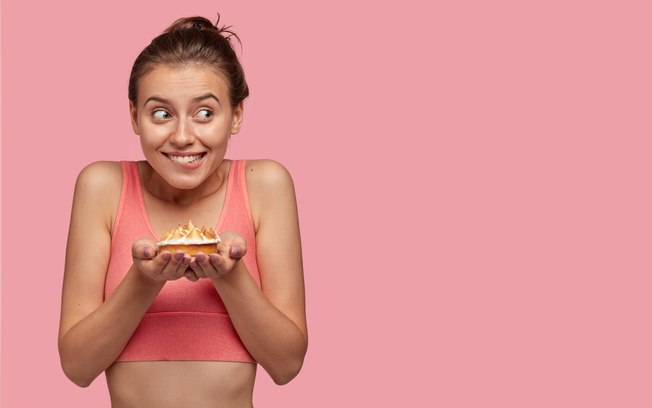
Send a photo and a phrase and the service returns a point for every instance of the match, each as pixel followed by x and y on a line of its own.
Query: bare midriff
pixel 196 384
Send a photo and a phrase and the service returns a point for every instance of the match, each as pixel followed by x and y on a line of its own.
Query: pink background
pixel 473 181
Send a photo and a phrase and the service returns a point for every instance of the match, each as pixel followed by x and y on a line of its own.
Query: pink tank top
pixel 188 320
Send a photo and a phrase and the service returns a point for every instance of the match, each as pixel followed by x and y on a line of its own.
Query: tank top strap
pixel 131 205
pixel 130 175
pixel 237 202
pixel 238 213
pixel 237 183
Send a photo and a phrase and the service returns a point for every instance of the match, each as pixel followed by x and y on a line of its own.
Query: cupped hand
pixel 158 266
pixel 230 250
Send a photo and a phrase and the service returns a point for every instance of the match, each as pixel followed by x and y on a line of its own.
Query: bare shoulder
pixel 271 190
pixel 267 174
pixel 98 189
pixel 100 174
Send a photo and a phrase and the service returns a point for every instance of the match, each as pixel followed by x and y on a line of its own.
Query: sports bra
pixel 187 320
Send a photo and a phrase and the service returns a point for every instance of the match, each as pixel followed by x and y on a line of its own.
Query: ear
pixel 238 113
pixel 133 113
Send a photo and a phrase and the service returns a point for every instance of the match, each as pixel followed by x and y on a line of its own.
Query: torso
pixel 194 384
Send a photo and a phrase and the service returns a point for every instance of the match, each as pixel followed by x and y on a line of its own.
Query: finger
pixel 234 247
pixel 176 267
pixel 162 260
pixel 217 261
pixel 221 247
pixel 239 242
pixel 191 276
pixel 185 263
pixel 144 248
pixel 237 252
pixel 199 265
pixel 145 252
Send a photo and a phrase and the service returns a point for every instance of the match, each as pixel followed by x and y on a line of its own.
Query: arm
pixel 270 320
pixel 92 333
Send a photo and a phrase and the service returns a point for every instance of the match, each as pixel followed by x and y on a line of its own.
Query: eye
pixel 161 114
pixel 205 114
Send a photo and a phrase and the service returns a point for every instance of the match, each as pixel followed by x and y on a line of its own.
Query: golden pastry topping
pixel 189 234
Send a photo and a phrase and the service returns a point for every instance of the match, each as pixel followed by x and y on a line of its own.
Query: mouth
pixel 185 158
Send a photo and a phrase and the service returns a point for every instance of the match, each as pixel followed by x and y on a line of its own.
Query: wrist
pixel 145 282
pixel 233 276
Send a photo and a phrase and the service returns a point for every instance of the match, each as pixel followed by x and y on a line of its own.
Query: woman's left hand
pixel 230 250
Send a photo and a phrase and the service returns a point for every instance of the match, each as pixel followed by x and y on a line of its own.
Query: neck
pixel 159 188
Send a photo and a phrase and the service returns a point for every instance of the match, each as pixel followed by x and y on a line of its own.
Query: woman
pixel 171 329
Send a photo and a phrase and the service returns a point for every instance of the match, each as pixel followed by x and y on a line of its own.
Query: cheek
pixel 152 135
pixel 216 135
pixel 150 143
pixel 146 147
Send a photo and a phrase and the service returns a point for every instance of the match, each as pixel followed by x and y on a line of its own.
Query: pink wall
pixel 473 182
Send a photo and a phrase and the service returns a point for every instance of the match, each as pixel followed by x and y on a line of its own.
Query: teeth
pixel 185 159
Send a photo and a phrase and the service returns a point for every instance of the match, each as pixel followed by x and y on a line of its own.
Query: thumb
pixel 237 251
pixel 236 244
pixel 233 250
pixel 144 248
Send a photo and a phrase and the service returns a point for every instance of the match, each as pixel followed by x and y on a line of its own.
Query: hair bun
pixel 193 23
pixel 202 24
pixel 194 39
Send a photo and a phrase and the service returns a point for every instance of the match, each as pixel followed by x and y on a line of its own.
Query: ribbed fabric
pixel 188 320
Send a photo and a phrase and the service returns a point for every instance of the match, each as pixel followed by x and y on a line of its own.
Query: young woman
pixel 171 329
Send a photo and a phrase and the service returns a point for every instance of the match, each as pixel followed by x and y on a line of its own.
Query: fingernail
pixel 235 252
pixel 178 256
pixel 147 252
pixel 166 256
pixel 199 257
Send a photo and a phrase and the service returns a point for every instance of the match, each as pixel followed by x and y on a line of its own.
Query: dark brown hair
pixel 193 40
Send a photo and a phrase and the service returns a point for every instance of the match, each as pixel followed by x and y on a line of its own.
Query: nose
pixel 182 135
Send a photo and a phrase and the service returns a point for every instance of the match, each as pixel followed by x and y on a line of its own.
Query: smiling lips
pixel 186 158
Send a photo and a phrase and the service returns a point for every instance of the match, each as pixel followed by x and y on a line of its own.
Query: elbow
pixel 78 379
pixel 283 380
pixel 76 374
pixel 81 382
pixel 287 373
pixel 290 367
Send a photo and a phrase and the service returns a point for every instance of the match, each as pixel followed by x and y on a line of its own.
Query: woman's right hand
pixel 158 266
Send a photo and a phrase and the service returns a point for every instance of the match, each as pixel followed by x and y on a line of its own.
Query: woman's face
pixel 184 119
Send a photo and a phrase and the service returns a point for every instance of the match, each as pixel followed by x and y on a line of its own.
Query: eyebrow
pixel 195 100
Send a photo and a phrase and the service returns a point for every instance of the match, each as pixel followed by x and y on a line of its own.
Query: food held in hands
pixel 190 240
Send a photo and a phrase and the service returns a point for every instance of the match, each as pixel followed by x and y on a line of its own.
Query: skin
pixel 181 111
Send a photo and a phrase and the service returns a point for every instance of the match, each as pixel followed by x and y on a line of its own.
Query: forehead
pixel 179 81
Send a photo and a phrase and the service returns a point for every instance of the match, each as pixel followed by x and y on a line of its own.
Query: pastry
pixel 190 240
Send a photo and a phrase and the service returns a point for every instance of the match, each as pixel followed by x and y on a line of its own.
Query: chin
pixel 184 184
